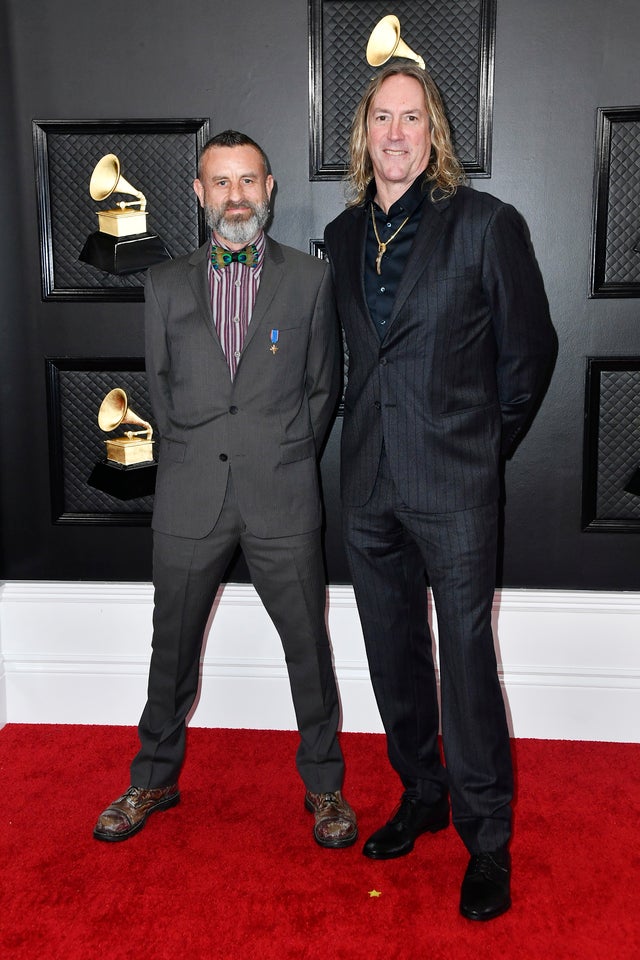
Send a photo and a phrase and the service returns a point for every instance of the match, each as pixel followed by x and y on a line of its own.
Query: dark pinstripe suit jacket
pixel 467 351
pixel 266 426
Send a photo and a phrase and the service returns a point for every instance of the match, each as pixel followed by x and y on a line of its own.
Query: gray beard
pixel 234 230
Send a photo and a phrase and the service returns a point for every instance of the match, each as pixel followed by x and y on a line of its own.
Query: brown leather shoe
pixel 126 815
pixel 335 824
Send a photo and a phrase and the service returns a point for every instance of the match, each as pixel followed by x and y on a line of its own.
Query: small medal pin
pixel 274 341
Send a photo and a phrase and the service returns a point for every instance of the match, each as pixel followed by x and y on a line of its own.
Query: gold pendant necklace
pixel 382 247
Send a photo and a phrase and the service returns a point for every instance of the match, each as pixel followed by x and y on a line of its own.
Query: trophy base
pixel 122 482
pixel 122 223
pixel 122 255
pixel 129 451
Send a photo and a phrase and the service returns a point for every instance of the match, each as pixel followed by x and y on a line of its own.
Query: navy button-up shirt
pixel 381 289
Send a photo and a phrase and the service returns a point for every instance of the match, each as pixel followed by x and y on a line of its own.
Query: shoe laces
pixel 326 800
pixel 402 813
pixel 132 794
pixel 485 865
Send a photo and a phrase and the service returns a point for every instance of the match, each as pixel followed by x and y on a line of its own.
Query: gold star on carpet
pixel 375 893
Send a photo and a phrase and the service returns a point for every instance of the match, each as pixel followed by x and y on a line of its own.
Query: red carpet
pixel 232 873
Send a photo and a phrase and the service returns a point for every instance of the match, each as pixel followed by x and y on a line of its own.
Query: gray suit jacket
pixel 268 425
pixel 467 351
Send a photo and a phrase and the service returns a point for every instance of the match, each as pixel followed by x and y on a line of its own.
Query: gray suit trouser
pixel 389 549
pixel 288 575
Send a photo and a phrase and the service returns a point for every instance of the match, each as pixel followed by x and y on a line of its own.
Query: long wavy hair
pixel 444 170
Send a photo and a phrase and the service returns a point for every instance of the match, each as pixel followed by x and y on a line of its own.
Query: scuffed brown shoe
pixel 335 824
pixel 126 815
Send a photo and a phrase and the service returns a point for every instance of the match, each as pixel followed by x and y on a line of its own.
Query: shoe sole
pixel 336 844
pixel 117 837
pixel 434 828
pixel 331 844
pixel 471 915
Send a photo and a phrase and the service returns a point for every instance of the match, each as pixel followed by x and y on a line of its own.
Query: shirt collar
pixel 410 200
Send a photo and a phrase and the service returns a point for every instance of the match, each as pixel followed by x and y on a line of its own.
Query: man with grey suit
pixel 450 343
pixel 244 367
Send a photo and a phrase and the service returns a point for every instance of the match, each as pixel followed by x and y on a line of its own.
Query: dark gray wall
pixel 557 61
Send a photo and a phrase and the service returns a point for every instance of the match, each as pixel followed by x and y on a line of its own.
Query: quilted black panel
pixel 77 441
pixel 154 158
pixel 619 444
pixel 615 253
pixel 611 488
pixel 622 260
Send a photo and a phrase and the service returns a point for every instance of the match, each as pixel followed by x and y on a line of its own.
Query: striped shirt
pixel 233 292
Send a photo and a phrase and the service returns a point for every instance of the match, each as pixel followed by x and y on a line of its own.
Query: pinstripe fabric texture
pixel 456 378
pixel 429 410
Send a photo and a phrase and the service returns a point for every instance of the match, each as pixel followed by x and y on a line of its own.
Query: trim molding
pixel 78 653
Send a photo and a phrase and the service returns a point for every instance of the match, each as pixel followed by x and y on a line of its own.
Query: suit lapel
pixel 352 254
pixel 199 282
pixel 432 224
pixel 355 255
pixel 270 280
pixel 355 244
pixel 269 283
pixel 430 230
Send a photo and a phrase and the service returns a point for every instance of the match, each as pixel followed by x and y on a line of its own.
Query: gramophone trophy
pixel 135 446
pixel 385 42
pixel 121 244
pixel 123 220
pixel 129 470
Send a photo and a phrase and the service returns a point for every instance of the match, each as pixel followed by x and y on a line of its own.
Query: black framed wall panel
pixel 615 255
pixel 611 445
pixel 75 391
pixel 159 157
pixel 456 38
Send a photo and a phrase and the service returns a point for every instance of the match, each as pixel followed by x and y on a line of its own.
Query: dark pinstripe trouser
pixel 389 549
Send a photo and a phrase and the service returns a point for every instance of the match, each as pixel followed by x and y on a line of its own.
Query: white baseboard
pixel 79 653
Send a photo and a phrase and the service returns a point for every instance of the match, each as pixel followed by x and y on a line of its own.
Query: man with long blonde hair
pixel 450 344
pixel 443 170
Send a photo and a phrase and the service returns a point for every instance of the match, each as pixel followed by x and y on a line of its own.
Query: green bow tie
pixel 220 257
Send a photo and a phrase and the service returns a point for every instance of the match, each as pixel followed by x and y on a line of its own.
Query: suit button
pixel 223 457
pixel 233 409
pixel 377 405
pixel 383 361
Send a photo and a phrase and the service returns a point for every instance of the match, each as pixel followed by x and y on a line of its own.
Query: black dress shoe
pixel 485 890
pixel 412 818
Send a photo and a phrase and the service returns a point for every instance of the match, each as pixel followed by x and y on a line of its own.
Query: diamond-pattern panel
pixel 622 263
pixel 81 440
pixel 160 163
pixel 149 163
pixel 446 34
pixel 618 444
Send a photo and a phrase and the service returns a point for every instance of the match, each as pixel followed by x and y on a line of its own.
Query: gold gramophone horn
pixel 115 410
pixel 385 42
pixel 106 179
